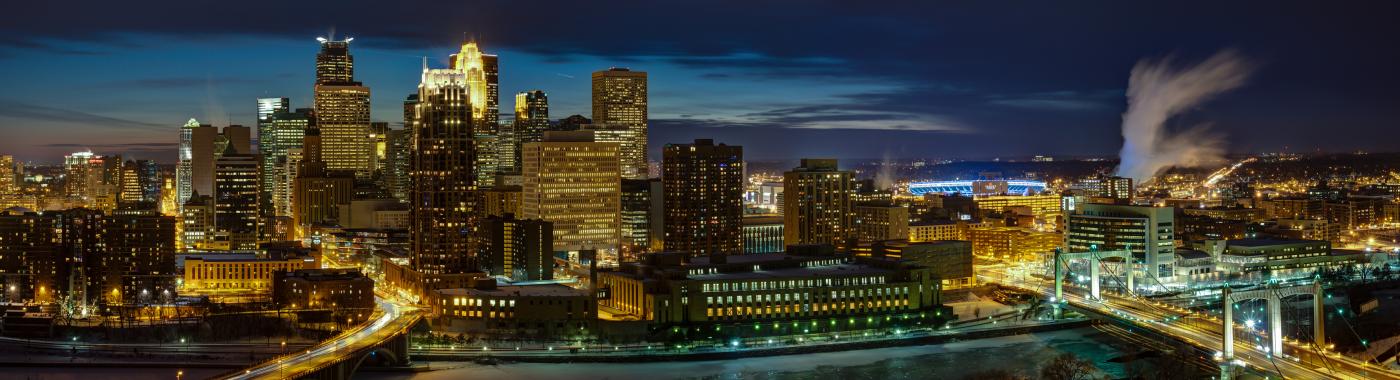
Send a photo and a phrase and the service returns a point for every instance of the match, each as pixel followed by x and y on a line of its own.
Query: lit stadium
pixel 982 187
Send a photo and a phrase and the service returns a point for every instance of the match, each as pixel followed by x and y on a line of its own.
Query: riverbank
pixel 1022 353
pixel 636 355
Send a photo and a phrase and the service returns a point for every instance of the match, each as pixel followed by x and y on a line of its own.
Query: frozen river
pixel 1022 353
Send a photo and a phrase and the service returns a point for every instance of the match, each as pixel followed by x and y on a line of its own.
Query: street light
pixel 179 374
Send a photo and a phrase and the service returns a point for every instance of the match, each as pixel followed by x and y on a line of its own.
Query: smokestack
pixel 1156 93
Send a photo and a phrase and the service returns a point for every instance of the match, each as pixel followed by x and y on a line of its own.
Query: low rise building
pixel 941 230
pixel 809 289
pixel 544 311
pixel 335 289
pixel 1014 244
pixel 237 272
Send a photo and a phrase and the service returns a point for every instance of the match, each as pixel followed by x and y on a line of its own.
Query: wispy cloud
pixel 24 111
pixel 1058 100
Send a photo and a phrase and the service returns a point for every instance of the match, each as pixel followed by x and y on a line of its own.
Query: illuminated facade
pixel 240 273
pixel 316 191
pixel 498 200
pixel 817 203
pixel 342 111
pixel 772 294
pixel 877 222
pixel 443 179
pixel 1014 244
pixel 286 131
pixel 620 98
pixel 270 147
pixel 236 199
pixel 1045 208
pixel 547 311
pixel 1149 232
pixel 483 89
pixel 531 120
pixel 517 249
pixel 9 188
pixel 947 230
pixel 704 198
pixel 197 225
pixel 763 234
pixel 573 181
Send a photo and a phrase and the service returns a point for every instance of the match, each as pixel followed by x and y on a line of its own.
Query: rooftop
pixel 545 290
pixel 800 272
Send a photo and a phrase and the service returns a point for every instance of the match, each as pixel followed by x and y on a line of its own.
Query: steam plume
pixel 1156 93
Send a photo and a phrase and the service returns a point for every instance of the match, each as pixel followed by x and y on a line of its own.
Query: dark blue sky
pixel 973 79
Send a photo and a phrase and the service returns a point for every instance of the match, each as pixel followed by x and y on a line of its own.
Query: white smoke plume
pixel 1157 92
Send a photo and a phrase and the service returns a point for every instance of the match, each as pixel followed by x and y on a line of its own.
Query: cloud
pixel 17 110
pixel 1058 101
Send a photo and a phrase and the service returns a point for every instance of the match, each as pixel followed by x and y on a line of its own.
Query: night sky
pixel 855 79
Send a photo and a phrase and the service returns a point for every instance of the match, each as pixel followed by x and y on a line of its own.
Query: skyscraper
pixel 620 98
pixel 287 131
pixel 572 181
pixel 9 191
pixel 184 166
pixel 342 111
pixel 268 146
pixel 817 203
pixel 483 86
pixel 443 178
pixel 236 199
pixel 398 157
pixel 531 120
pixel 704 201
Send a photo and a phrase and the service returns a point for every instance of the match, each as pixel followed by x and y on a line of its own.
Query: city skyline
pixel 952 85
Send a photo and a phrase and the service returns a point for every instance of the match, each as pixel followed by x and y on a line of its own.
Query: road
pixel 389 319
pixel 1203 331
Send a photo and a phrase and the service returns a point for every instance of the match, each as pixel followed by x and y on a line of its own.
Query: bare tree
pixel 1067 367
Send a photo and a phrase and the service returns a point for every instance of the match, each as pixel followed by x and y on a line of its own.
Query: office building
pixel 237 272
pixel 443 179
pixel 317 191
pixel 517 249
pixel 817 203
pixel 877 222
pixel 285 131
pixel 572 181
pixel 531 120
pixel 538 311
pixel 620 99
pixel 342 111
pixel 1120 189
pixel 498 201
pixel 704 198
pixel 269 146
pixel 487 160
pixel 1014 244
pixel 769 294
pixel 197 225
pixel 636 215
pixel 1148 232
pixel 398 157
pixel 236 199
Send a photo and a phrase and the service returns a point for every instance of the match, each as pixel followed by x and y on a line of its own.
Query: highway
pixel 391 318
pixel 1202 331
